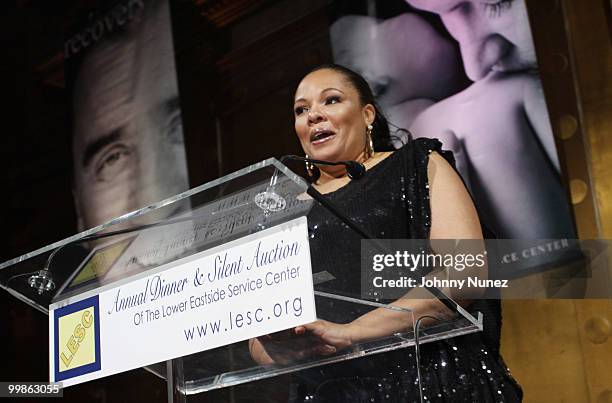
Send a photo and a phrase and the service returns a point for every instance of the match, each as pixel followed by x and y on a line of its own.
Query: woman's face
pixel 330 121
pixel 494 35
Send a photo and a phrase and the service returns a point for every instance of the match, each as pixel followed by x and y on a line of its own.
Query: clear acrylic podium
pixel 243 203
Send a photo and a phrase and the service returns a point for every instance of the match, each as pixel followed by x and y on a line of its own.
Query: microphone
pixel 354 169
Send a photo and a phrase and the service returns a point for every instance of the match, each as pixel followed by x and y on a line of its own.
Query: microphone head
pixel 354 169
pixel 270 201
pixel 42 281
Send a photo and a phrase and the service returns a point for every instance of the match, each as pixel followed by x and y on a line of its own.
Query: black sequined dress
pixel 392 201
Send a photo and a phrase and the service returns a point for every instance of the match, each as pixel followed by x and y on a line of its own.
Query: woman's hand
pixel 335 335
pixel 316 338
pixel 287 346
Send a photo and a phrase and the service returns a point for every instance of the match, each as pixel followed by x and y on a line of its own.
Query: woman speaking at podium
pixel 411 193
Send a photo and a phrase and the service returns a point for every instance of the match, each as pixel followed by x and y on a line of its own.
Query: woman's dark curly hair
pixel 381 135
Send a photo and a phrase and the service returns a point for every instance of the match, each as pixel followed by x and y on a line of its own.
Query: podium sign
pixel 255 285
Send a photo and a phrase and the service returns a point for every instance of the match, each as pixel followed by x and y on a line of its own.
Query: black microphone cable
pixel 417 351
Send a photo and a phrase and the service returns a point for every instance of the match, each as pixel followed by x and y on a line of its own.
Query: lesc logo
pixel 77 339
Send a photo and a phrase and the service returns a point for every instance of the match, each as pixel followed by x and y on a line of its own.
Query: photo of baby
pixel 476 88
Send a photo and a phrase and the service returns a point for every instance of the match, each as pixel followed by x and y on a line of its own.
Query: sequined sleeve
pixel 416 158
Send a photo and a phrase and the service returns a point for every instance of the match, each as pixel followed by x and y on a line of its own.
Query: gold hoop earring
pixel 312 171
pixel 369 145
pixel 309 167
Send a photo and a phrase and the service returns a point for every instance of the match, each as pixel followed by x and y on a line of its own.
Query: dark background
pixel 238 62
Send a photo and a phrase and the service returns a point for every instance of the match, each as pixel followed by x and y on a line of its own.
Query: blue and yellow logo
pixel 77 339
